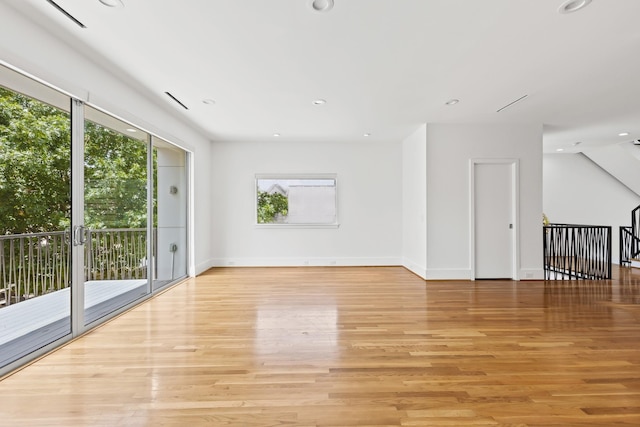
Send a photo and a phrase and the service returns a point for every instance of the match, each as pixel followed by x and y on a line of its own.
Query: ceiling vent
pixel 67 14
pixel 511 103
pixel 176 100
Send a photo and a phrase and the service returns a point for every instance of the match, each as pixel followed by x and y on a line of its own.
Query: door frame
pixel 515 212
pixel 77 218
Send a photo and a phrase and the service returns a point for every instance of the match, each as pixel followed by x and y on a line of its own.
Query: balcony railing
pixel 113 254
pixel 577 251
pixel 38 263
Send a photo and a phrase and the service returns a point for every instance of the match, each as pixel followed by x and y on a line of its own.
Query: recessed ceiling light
pixel 367 134
pixel 208 101
pixel 623 134
pixel 452 102
pixel 322 5
pixel 570 6
pixel 559 149
pixel 131 130
pixel 276 134
pixel 112 3
pixel 319 102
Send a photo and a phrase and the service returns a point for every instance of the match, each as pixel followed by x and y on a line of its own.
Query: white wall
pixel 577 191
pixel 25 45
pixel 449 150
pixel 621 160
pixel 414 201
pixel 369 189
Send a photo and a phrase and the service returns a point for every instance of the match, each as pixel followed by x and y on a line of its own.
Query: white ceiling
pixel 383 66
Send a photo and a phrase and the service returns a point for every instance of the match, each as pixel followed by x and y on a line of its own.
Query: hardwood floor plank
pixel 348 347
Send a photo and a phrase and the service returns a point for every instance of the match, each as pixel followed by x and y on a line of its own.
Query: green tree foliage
pixel 115 179
pixel 34 165
pixel 35 178
pixel 269 205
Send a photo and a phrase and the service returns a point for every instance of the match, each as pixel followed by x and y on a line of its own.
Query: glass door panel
pixel 115 220
pixel 35 208
pixel 170 212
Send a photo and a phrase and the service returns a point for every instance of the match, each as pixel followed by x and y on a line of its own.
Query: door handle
pixel 79 235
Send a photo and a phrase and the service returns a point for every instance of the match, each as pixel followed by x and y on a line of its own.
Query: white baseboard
pixel 448 274
pixel 425 273
pixel 413 267
pixel 306 262
pixel 531 274
pixel 204 266
pixel 465 274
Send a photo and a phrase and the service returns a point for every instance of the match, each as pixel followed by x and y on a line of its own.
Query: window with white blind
pixel 307 200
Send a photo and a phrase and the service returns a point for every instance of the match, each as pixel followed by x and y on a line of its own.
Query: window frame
pixel 298 177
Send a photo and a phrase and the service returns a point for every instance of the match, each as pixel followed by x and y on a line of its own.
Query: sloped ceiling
pixel 383 66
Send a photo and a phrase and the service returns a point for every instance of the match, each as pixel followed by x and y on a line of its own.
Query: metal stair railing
pixel 635 232
pixel 577 252
pixel 626 245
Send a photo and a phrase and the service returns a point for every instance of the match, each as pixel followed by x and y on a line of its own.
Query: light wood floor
pixel 348 347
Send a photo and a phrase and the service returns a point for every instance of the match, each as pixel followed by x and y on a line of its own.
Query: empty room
pixel 319 213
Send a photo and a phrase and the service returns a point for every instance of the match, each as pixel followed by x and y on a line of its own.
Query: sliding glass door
pixel 93 216
pixel 116 259
pixel 35 179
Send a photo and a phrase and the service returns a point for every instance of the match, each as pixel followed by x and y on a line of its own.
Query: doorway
pixel 493 218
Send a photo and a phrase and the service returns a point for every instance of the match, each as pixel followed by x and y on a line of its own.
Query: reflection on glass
pixel 170 213
pixel 35 142
pixel 296 200
pixel 115 175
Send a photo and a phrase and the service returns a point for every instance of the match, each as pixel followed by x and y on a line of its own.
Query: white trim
pixel 307 262
pixel 296 176
pixel 202 267
pixel 333 225
pixel 23 73
pixel 515 206
pixel 532 274
pixel 77 218
pixel 151 260
pixel 448 274
pixel 141 127
pixel 414 268
pixel 192 269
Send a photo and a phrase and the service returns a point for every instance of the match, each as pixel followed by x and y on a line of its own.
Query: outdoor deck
pixel 31 324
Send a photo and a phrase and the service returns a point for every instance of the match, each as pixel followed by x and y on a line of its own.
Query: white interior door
pixel 493 220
